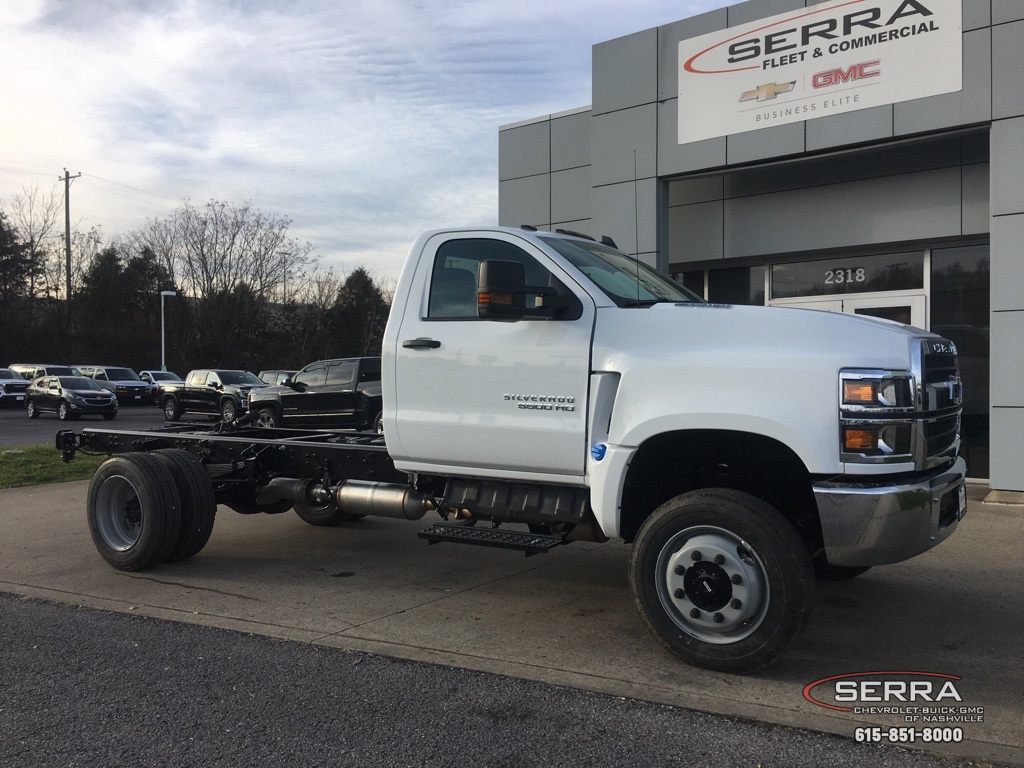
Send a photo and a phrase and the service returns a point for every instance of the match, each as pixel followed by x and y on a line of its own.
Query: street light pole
pixel 163 335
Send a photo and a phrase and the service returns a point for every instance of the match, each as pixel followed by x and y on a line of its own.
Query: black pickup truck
pixel 212 392
pixel 342 393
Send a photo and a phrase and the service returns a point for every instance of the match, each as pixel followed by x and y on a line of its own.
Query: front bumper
pixel 874 524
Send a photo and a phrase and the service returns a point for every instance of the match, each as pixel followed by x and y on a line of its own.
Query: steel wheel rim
pixel 712 584
pixel 119 513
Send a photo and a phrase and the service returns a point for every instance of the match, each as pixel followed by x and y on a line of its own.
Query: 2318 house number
pixel 840 276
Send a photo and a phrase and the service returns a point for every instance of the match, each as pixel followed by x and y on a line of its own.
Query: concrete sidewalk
pixel 566 617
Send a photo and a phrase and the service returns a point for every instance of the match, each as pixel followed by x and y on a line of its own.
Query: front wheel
pixel 722 579
pixel 267 418
pixel 228 411
pixel 63 412
pixel 172 411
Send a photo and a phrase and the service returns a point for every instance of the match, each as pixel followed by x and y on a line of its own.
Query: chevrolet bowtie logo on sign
pixel 768 91
pixel 818 61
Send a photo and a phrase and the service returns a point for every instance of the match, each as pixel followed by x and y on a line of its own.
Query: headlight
pixel 877 391
pixel 877 419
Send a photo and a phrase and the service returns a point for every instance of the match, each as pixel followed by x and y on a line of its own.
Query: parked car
pixel 31 371
pixel 213 392
pixel 328 393
pixel 123 382
pixel 275 377
pixel 69 397
pixel 12 388
pixel 156 380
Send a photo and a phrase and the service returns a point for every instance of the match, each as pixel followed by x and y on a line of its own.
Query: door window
pixel 340 374
pixel 311 375
pixel 453 281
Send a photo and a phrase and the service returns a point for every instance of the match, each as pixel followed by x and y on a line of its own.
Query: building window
pixel 960 312
pixel 736 285
pixel 861 274
pixel 692 280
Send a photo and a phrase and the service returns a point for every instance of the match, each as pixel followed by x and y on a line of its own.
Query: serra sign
pixel 814 62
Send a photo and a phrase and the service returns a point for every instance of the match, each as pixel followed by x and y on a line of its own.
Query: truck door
pixel 481 396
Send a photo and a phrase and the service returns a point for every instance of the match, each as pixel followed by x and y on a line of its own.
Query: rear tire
pixel 198 505
pixel 133 510
pixel 31 411
pixel 722 579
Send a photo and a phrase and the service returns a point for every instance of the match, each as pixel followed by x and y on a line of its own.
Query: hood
pixel 771 371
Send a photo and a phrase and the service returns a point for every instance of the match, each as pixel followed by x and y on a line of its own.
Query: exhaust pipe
pixel 360 497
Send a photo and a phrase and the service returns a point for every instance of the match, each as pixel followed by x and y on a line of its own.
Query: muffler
pixel 361 497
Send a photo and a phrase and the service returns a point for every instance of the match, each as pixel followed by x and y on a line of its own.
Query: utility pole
pixel 67 233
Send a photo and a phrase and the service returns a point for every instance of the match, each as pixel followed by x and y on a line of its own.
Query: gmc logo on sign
pixel 832 77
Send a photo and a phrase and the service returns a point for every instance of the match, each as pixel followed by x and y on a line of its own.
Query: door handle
pixel 421 343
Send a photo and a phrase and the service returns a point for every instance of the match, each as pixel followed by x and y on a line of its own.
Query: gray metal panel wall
pixel 871 211
pixel 524 150
pixel 1007 393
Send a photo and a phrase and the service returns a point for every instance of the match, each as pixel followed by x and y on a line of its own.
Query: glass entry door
pixel 903 308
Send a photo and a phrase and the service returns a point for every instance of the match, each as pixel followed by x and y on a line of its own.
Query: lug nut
pixel 694 614
pixel 680 570
pixel 719 559
pixel 735 604
pixel 679 594
pixel 736 579
pixel 696 555
pixel 718 618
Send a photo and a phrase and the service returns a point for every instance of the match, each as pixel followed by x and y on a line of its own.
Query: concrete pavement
pixel 565 617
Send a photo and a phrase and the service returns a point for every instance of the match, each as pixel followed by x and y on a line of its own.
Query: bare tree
pixel 36 214
pixel 216 248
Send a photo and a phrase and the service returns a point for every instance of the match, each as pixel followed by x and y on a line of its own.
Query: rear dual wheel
pixel 144 509
pixel 722 579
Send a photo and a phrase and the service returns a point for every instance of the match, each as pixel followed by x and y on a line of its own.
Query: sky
pixel 364 122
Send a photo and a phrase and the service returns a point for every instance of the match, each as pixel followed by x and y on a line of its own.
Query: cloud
pixel 364 122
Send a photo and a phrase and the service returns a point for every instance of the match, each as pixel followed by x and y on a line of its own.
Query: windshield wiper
pixel 646 302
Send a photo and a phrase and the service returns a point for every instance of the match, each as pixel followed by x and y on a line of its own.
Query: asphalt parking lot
pixel 17 429
pixel 565 617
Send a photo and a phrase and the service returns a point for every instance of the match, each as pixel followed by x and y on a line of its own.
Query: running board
pixel 530 543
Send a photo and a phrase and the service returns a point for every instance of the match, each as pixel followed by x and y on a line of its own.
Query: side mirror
pixel 502 291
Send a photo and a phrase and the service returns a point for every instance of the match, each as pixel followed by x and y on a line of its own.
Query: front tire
pixel 134 512
pixel 722 579
pixel 172 411
pixel 228 411
pixel 110 416
pixel 64 412
pixel 268 418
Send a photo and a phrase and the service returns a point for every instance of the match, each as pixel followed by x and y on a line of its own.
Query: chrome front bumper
pixel 866 524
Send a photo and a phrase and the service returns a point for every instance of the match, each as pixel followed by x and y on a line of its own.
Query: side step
pixel 530 543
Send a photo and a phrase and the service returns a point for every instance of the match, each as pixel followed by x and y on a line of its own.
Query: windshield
pixel 78 382
pixel 122 374
pixel 7 373
pixel 626 281
pixel 161 376
pixel 240 377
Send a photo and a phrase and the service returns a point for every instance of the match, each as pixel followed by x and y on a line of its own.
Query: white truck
pixel 542 387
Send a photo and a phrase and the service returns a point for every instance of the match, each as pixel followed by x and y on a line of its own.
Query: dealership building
pixel 861 156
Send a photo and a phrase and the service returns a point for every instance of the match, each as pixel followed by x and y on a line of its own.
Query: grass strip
pixel 38 464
